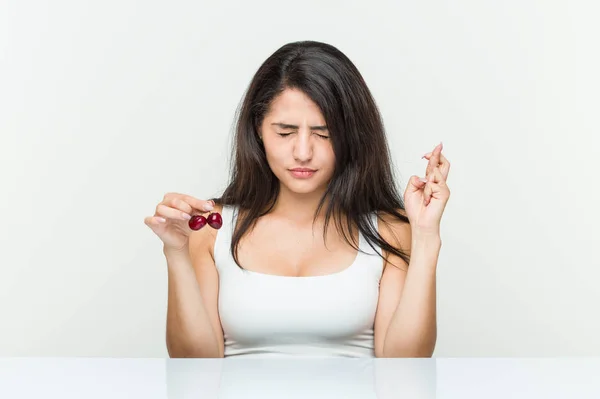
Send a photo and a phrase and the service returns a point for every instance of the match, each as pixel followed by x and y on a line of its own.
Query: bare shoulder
pixel 397 233
pixel 202 241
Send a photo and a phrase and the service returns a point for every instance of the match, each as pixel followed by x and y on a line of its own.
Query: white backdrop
pixel 105 106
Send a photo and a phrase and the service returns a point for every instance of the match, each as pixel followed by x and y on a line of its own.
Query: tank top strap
pixel 370 260
pixel 224 236
pixel 364 244
pixel 229 214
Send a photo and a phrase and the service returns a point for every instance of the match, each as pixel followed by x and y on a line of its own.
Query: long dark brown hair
pixel 363 179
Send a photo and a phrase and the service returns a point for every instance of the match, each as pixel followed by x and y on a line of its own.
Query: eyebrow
pixel 287 126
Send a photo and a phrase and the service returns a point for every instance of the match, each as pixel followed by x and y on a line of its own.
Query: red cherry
pixel 197 222
pixel 215 220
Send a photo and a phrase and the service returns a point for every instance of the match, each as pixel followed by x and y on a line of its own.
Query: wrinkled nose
pixel 303 148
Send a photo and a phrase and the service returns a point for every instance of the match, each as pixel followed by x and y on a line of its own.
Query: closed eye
pixel 287 134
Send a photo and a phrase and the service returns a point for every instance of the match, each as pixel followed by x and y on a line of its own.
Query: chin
pixel 301 188
pixel 304 188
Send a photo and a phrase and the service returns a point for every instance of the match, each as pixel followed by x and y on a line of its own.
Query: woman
pixel 278 278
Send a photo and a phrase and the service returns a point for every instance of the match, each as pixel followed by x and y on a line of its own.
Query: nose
pixel 303 150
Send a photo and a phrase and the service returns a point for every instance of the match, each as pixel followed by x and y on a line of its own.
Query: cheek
pixel 328 157
pixel 275 156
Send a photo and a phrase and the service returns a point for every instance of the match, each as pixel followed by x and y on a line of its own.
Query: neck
pixel 299 208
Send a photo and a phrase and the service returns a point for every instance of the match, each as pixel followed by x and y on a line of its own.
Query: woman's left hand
pixel 425 201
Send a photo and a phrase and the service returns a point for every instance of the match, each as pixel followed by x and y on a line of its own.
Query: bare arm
pixel 405 324
pixel 193 325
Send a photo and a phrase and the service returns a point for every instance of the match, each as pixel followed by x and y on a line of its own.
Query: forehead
pixel 295 105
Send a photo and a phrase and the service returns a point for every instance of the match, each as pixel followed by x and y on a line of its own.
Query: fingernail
pixel 161 220
pixel 208 207
pixel 186 216
pixel 423 179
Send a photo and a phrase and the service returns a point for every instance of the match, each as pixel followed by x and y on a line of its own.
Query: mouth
pixel 302 173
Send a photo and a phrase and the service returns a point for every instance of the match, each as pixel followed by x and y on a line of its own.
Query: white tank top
pixel 269 315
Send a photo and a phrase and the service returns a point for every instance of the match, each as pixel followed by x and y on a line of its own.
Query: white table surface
pixel 147 378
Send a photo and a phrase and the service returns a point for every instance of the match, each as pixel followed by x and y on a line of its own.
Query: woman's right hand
pixel 170 220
